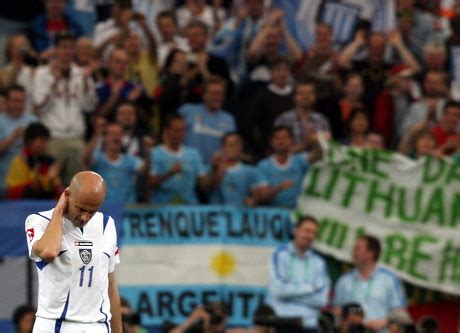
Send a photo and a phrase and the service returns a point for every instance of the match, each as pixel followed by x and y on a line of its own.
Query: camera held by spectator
pixel 352 319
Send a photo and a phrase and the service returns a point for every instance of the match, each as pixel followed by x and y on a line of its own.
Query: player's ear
pixel 67 192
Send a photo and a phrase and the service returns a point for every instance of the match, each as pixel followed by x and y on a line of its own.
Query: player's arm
pixel 115 307
pixel 49 245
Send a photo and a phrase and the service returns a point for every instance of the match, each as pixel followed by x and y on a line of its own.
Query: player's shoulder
pixel 107 221
pixel 99 225
pixel 44 216
pixel 101 216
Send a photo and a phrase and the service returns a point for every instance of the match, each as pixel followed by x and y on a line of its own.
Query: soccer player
pixel 75 249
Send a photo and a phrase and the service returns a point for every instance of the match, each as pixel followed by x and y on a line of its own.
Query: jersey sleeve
pixel 35 227
pixel 115 255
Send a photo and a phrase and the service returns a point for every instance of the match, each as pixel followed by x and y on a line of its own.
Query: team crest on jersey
pixel 85 255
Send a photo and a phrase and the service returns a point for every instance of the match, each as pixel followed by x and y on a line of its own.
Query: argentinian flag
pixel 174 258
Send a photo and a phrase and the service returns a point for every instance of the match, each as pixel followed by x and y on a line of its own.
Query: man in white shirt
pixel 169 37
pixel 62 93
pixel 75 249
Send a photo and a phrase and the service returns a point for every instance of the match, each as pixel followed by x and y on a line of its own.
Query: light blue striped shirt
pixel 299 285
pixel 381 293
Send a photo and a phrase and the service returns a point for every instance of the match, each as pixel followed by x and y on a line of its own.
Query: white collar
pixel 280 91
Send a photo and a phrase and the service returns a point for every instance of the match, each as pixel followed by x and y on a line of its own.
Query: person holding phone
pixel 75 250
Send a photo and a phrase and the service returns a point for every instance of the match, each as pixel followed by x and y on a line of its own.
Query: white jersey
pixel 74 287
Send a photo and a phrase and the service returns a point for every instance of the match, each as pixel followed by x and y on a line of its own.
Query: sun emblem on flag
pixel 223 263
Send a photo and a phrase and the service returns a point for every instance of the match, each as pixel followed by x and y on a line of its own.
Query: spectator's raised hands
pixel 53 172
pixel 135 93
pixel 395 38
pixel 360 37
pixel 276 17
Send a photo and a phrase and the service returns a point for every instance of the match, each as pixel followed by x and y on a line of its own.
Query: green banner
pixel 413 207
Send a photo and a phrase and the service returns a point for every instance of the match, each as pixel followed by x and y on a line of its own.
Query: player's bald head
pixel 88 186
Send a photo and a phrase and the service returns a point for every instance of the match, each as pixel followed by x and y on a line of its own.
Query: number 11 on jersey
pixel 82 275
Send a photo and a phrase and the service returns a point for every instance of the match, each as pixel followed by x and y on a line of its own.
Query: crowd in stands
pixel 225 102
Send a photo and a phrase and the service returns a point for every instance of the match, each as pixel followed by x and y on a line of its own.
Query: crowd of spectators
pixel 218 101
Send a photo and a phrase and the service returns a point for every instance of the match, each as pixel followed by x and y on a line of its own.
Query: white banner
pixel 413 207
